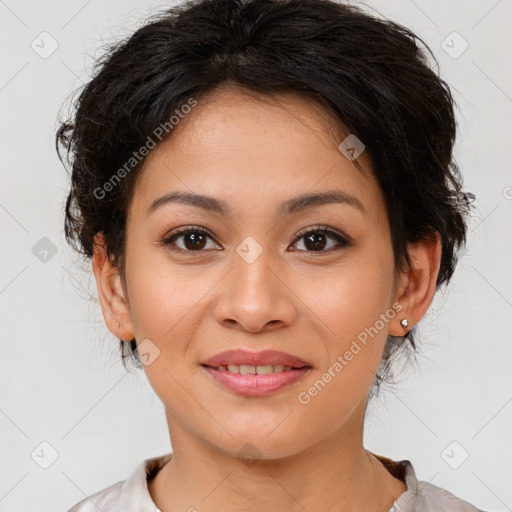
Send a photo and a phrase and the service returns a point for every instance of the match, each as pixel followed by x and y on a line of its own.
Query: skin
pixel 253 154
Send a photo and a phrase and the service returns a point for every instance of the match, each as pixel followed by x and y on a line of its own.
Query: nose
pixel 255 297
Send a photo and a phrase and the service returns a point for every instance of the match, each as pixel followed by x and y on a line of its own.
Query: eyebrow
pixel 293 205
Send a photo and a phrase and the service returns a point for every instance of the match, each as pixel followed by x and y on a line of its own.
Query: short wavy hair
pixel 373 75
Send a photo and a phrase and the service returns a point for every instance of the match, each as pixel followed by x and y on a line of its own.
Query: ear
pixel 417 285
pixel 111 293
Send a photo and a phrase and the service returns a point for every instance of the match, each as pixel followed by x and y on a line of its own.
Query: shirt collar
pixel 135 493
pixel 403 470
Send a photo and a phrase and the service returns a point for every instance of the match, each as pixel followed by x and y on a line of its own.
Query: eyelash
pixel 342 240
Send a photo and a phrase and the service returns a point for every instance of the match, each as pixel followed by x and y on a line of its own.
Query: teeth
pixel 247 369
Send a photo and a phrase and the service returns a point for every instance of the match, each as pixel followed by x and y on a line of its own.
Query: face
pixel 259 271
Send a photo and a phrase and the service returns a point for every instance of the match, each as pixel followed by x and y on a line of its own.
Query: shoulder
pixel 130 495
pixel 432 498
pixel 105 500
pixel 422 496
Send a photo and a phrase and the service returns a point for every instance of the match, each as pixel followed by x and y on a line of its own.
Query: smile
pixel 248 380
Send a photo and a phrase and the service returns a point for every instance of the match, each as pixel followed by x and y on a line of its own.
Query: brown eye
pixel 193 239
pixel 317 240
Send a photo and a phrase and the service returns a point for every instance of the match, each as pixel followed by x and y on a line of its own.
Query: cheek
pixel 353 314
pixel 166 308
pixel 350 302
pixel 162 295
pixel 352 327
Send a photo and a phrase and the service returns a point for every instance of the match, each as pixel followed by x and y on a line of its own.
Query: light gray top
pixel 132 495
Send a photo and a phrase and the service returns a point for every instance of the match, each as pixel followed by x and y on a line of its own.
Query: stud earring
pixel 404 323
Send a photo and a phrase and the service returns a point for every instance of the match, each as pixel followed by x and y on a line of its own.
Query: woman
pixel 267 193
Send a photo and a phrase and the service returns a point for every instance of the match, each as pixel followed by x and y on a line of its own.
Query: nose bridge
pixel 253 277
pixel 253 266
pixel 254 294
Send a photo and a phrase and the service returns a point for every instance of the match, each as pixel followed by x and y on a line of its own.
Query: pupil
pixel 197 241
pixel 315 243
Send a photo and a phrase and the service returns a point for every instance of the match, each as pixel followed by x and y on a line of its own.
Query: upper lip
pixel 266 357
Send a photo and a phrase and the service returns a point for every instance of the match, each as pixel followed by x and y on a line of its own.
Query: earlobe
pixel 418 285
pixel 114 304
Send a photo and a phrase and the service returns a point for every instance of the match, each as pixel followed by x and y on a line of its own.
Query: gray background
pixel 62 382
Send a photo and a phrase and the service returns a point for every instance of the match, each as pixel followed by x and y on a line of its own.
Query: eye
pixel 194 239
pixel 316 240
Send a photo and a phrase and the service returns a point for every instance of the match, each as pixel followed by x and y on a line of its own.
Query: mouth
pixel 246 359
pixel 248 369
pixel 255 374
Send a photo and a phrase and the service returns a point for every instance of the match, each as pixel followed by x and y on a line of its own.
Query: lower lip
pixel 256 385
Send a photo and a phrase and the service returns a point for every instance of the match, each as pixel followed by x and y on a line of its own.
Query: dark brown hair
pixel 373 74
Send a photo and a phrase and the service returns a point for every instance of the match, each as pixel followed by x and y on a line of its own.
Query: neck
pixel 336 473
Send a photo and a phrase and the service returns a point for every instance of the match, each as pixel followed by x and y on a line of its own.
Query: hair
pixel 373 75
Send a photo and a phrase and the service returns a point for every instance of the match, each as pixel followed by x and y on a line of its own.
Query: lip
pixel 256 385
pixel 266 357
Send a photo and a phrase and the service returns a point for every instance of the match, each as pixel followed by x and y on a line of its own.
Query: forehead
pixel 253 150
